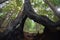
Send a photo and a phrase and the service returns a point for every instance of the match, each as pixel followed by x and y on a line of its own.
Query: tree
pixel 41 19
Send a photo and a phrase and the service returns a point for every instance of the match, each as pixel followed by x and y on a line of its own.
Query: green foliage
pixel 29 26
pixel 19 2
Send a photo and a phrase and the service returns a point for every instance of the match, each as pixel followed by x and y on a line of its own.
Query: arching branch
pixel 41 19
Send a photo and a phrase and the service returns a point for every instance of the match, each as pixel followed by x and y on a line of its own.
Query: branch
pixel 17 31
pixel 2 1
pixel 39 18
pixel 27 2
pixel 19 20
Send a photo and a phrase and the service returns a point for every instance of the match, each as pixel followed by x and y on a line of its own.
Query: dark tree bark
pixel 41 19
pixel 11 30
pixel 50 31
pixel 2 1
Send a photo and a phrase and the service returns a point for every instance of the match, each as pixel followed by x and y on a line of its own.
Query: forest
pixel 29 19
